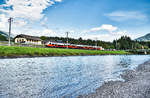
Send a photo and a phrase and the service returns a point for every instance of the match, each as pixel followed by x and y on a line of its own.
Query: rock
pixel 136 85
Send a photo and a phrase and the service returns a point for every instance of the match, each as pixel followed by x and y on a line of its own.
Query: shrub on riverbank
pixel 6 51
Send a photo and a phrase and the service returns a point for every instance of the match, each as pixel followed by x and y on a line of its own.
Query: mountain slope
pixel 4 33
pixel 3 36
pixel 144 38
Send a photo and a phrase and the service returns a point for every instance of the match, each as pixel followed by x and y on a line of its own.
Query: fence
pixel 5 43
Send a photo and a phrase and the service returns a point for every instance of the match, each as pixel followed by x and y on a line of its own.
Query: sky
pixel 104 20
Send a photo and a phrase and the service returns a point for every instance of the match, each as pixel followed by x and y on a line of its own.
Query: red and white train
pixel 72 46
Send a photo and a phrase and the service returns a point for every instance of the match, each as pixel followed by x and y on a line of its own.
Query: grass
pixel 13 51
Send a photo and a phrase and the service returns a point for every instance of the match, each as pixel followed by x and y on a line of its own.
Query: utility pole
pixel 96 43
pixel 10 20
pixel 67 33
pixel 116 44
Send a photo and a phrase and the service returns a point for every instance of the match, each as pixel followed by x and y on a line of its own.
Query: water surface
pixel 54 77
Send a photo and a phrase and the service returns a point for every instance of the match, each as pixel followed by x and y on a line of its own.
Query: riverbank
pixel 16 52
pixel 136 85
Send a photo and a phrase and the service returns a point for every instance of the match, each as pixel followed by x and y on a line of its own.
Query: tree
pixel 123 43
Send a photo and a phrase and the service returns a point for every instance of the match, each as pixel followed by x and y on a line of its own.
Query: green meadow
pixel 14 51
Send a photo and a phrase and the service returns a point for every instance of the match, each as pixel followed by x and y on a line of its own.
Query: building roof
pixel 28 37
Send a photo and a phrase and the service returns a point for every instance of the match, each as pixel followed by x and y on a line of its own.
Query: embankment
pixel 136 85
pixel 14 52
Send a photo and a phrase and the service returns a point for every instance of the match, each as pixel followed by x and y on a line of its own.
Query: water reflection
pixel 59 76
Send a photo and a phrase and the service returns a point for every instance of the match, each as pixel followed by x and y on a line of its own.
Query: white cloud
pixel 27 9
pixel 127 15
pixel 49 32
pixel 103 37
pixel 20 22
pixel 35 32
pixel 107 27
pixel 43 22
pixel 108 36
pixel 3 21
pixel 24 12
pixel 112 33
pixel 58 0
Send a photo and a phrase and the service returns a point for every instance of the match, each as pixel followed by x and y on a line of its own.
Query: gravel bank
pixel 136 85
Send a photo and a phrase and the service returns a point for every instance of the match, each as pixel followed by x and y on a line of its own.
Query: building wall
pixel 19 40
pixel 27 41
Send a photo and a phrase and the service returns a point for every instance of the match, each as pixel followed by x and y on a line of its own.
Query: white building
pixel 26 39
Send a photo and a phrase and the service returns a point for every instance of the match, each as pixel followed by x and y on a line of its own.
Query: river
pixel 54 77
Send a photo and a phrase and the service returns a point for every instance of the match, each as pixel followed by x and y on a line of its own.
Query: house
pixel 27 39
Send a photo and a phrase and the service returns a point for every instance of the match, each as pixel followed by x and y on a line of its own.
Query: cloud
pixel 3 21
pixel 112 33
pixel 127 15
pixel 43 23
pixel 108 36
pixel 25 13
pixel 49 32
pixel 58 0
pixel 36 32
pixel 106 27
pixel 27 9
pixel 103 37
pixel 20 22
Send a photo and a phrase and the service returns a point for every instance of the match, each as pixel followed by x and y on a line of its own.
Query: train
pixel 72 46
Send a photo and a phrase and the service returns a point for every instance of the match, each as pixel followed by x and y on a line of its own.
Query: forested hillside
pixel 144 38
pixel 3 36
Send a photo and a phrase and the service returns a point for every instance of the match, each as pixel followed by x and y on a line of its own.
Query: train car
pixel 72 46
